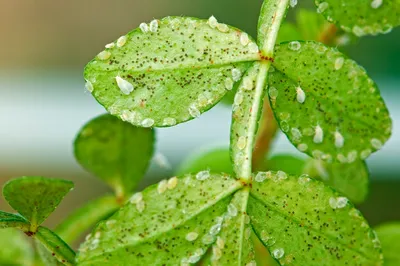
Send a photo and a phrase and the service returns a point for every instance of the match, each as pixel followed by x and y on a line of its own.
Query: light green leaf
pixel 216 160
pixel 172 222
pixel 86 217
pixel 361 17
pixel 326 104
pixel 352 180
pixel 234 245
pixel 55 245
pixel 389 236
pixel 288 163
pixel 15 249
pixel 36 198
pixel 304 222
pixel 169 71
pixel 13 220
pixel 288 32
pixel 115 151
pixel 310 24
pixel 45 256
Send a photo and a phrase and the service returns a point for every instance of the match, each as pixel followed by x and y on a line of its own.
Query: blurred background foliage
pixel 45 46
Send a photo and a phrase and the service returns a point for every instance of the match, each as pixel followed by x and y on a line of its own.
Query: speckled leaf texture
pixel 362 17
pixel 173 222
pixel 13 220
pixel 352 180
pixel 36 197
pixel 326 104
pixel 15 249
pixel 115 151
pixel 304 222
pixel 389 235
pixel 170 70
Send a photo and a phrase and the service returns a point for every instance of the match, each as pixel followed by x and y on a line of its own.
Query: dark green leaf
pixel 389 236
pixel 15 249
pixel 86 217
pixel 36 198
pixel 115 151
pixel 288 32
pixel 304 222
pixel 13 220
pixel 326 104
pixel 173 222
pixel 310 24
pixel 169 71
pixel 55 245
pixel 216 160
pixel 362 17
pixel 287 163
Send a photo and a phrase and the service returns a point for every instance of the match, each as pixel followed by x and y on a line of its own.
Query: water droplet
pixel 121 41
pixel 110 45
pixel 322 7
pixel 301 96
pixel 169 121
pixel 162 186
pixel 376 3
pixel 281 175
pixel 376 144
pixel 302 147
pixel 228 84
pixel 212 22
pixel 319 135
pixel 293 3
pixel 104 55
pixel 236 74
pixel 172 182
pixel 203 175
pixel 215 229
pixel 294 46
pixel 341 202
pixel 193 111
pixel 261 176
pixel 223 27
pixel 365 154
pixel 304 179
pixel 284 126
pixel 266 239
pixel 244 39
pixel 125 86
pixel 241 143
pixel 136 198
pixel 339 140
pixel 154 25
pixel 232 210
pixel 238 98
pixel 144 27
pixel 339 63
pixel 278 253
pixel 273 92
pixel 89 86
pixel 192 236
pixel 148 122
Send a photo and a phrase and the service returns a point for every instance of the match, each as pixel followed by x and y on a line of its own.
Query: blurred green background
pixel 45 45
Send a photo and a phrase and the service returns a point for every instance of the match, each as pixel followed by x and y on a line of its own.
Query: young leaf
pixel 351 179
pixel 302 221
pixel 87 216
pixel 389 236
pixel 326 104
pixel 13 220
pixel 55 245
pixel 36 198
pixel 172 222
pixel 169 71
pixel 15 249
pixel 216 160
pixel 115 151
pixel 361 17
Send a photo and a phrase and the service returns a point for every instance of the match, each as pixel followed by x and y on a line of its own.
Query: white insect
pixel 162 161
pixel 319 134
pixel 125 86
pixel 339 140
pixel 301 96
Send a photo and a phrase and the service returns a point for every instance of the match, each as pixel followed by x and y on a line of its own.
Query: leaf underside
pixel 177 71
pixel 163 225
pixel 115 151
pixel 362 17
pixel 389 235
pixel 304 222
pixel 36 198
pixel 339 98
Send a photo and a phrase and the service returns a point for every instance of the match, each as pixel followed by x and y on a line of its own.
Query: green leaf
pixel 172 222
pixel 45 256
pixel 361 17
pixel 36 198
pixel 389 236
pixel 169 71
pixel 15 249
pixel 86 217
pixel 288 32
pixel 352 180
pixel 310 24
pixel 287 163
pixel 115 151
pixel 304 222
pixel 326 104
pixel 13 220
pixel 216 160
pixel 55 245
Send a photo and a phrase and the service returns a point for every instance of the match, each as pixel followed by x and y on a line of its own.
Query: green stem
pixel 87 216
pixel 55 245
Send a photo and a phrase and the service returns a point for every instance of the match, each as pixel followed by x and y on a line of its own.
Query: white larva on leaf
pixel 339 140
pixel 154 25
pixel 144 27
pixel 244 39
pixel 148 122
pixel 339 63
pixel 301 96
pixel 104 55
pixel 121 41
pixel 125 86
pixel 223 27
pixel 376 3
pixel 253 48
pixel 212 22
pixel 89 86
pixel 319 135
pixel 110 45
pixel 236 74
